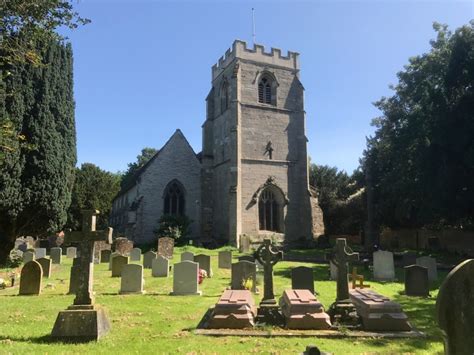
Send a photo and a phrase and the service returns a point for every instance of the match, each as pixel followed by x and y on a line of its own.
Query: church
pixel 251 178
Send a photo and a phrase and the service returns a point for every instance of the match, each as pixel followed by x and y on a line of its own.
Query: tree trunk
pixel 6 245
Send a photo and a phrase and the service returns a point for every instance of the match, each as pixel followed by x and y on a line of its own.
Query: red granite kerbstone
pixel 235 309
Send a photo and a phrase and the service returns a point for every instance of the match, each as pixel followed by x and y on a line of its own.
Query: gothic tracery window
pixel 269 211
pixel 265 90
pixel 174 200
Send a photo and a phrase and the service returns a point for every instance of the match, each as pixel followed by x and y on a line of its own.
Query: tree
pixel 36 183
pixel 146 154
pixel 421 156
pixel 94 188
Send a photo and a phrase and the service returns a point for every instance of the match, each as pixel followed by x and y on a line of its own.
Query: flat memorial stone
pixel 455 310
pixel 46 266
pixel 234 310
pixel 185 278
pixel 384 268
pixel 302 278
pixel 31 278
pixel 430 264
pixel 187 256
pixel 28 256
pixel 160 267
pixel 242 273
pixel 303 311
pixel 71 252
pixel 166 247
pixel 40 253
pixel 118 262
pixel 56 255
pixel 136 254
pixel 204 262
pixel 132 279
pixel 416 281
pixel 225 259
pixel 378 313
pixel 148 258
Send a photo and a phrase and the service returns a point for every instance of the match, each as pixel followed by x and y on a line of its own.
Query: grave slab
pixel 235 309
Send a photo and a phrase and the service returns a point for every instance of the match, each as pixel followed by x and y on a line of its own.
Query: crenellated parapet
pixel 257 53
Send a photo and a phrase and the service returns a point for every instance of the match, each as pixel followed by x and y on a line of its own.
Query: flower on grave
pixel 247 283
pixel 202 275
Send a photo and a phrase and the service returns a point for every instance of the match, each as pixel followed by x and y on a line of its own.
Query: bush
pixel 176 227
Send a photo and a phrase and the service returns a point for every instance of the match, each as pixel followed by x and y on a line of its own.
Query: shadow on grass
pixel 45 339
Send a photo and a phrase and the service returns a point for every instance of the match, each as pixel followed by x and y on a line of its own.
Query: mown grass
pixel 159 323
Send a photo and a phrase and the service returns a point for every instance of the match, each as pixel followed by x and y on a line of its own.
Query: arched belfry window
pixel 174 201
pixel 270 211
pixel 267 89
pixel 224 96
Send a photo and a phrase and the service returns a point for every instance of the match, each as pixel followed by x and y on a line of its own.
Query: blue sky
pixel 142 69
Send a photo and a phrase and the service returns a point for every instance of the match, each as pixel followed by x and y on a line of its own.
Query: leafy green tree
pixel 421 156
pixel 94 188
pixel 36 184
pixel 146 154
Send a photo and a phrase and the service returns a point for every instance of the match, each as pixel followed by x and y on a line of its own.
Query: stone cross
pixel 355 277
pixel 268 257
pixel 343 254
pixel 86 239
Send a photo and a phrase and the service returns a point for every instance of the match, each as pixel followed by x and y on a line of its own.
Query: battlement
pixel 257 53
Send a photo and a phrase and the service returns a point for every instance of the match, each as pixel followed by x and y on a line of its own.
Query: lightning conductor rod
pixel 253 25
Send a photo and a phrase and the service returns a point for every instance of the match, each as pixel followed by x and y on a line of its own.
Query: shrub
pixel 176 227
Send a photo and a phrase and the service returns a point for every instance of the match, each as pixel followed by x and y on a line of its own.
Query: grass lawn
pixel 159 323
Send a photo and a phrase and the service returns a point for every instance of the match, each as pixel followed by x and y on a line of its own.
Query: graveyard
pixel 157 320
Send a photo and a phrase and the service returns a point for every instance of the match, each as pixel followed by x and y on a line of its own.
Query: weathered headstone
pixel 234 310
pixel 100 246
pixel 185 278
pixel 455 310
pixel 160 267
pixel 416 281
pixel 71 252
pixel 112 256
pixel 105 256
pixel 187 256
pixel 166 247
pixel 430 264
pixel 28 256
pixel 332 270
pixel 148 259
pixel 302 278
pixel 409 258
pixel 123 246
pixel 136 254
pixel 132 279
pixel 84 321
pixel 204 262
pixel 40 253
pixel 74 276
pixel 384 268
pixel 378 313
pixel 225 259
pixel 46 266
pixel 30 278
pixel 242 273
pixel 56 255
pixel 303 311
pixel 118 262
pixel 244 244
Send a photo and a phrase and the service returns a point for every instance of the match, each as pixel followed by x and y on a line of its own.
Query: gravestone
pixel 234 310
pixel 332 270
pixel 40 253
pixel 303 311
pixel 118 262
pixel 74 276
pixel 160 267
pixel 84 321
pixel 166 247
pixel 123 246
pixel 112 256
pixel 268 311
pixel 416 281
pixel 224 259
pixel 185 278
pixel 384 269
pixel 132 279
pixel 244 244
pixel 455 311
pixel 71 252
pixel 46 266
pixel 204 262
pixel 302 278
pixel 56 255
pixel 409 258
pixel 148 258
pixel 241 272
pixel 187 256
pixel 105 256
pixel 430 264
pixel 136 254
pixel 378 313
pixel 30 278
pixel 433 243
pixel 28 256
pixel 99 247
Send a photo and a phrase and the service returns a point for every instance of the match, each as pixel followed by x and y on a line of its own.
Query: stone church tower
pixel 254 157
